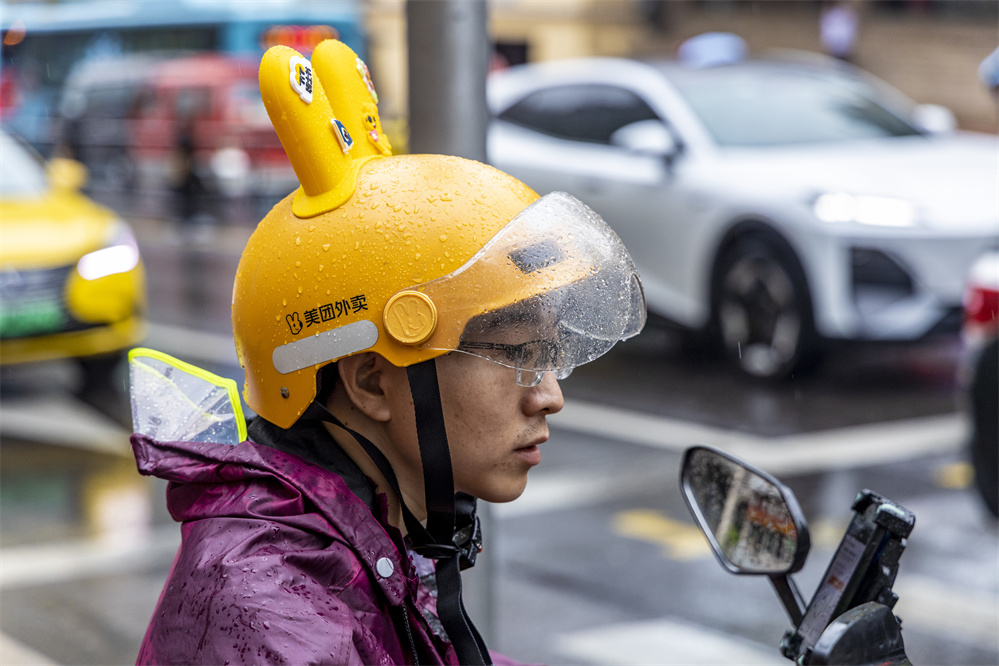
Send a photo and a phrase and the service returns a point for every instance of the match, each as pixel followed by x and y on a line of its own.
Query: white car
pixel 775 203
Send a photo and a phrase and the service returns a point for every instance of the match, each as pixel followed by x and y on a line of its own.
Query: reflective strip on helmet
pixel 325 346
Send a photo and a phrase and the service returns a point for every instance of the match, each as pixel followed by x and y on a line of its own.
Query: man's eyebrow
pixel 498 320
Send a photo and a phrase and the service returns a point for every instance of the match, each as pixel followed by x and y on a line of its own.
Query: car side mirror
pixel 752 521
pixel 646 137
pixel 934 119
pixel 66 174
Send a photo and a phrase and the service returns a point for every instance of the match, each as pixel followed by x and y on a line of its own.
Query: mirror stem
pixel 791 597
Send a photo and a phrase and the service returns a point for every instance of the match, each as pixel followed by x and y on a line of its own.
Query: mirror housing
pixel 752 521
pixel 646 137
pixel 66 174
pixel 934 119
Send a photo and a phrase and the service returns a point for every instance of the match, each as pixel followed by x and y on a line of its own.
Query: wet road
pixel 598 562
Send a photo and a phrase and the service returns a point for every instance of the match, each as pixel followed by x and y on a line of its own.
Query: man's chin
pixel 505 494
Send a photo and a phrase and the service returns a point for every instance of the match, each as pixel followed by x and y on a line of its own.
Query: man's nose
pixel 546 397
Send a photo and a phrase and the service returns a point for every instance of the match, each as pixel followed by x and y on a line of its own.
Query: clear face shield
pixel 554 289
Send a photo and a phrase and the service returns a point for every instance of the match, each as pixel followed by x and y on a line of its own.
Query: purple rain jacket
pixel 281 563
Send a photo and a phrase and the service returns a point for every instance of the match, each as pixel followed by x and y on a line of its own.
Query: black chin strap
pixel 443 516
pixel 452 535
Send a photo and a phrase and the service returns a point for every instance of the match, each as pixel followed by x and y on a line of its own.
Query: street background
pixel 599 562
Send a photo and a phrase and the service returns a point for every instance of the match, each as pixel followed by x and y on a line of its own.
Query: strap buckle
pixel 466 545
pixel 468 541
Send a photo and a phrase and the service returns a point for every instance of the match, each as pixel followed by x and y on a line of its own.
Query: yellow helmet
pixel 397 254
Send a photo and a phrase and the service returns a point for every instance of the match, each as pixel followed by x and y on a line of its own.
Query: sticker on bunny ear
pixel 362 69
pixel 343 136
pixel 369 114
pixel 301 78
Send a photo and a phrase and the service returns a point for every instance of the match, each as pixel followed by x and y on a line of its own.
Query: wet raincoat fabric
pixel 281 563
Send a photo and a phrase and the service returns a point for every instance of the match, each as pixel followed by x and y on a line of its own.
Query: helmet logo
pixel 410 317
pixel 342 135
pixel 294 323
pixel 301 78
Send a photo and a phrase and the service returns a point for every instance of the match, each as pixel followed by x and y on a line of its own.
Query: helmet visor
pixel 554 289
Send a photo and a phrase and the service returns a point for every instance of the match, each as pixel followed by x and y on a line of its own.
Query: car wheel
pixel 761 308
pixel 104 385
pixel 985 425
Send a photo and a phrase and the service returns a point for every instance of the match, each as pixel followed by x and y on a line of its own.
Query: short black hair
pixel 326 381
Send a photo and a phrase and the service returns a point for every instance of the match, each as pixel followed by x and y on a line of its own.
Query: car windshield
pixel 760 104
pixel 21 174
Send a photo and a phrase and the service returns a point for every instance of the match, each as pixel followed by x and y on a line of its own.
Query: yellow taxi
pixel 72 284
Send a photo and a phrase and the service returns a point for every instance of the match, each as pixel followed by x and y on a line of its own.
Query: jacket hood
pixel 257 482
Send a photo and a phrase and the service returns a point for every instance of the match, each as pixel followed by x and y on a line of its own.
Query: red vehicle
pixel 204 115
pixel 980 374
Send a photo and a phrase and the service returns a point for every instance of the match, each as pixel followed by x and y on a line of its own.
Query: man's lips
pixel 531 454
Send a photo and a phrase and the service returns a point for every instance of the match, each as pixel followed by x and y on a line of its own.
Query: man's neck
pixel 356 452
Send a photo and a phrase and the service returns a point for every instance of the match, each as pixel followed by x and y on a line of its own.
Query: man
pixel 403 322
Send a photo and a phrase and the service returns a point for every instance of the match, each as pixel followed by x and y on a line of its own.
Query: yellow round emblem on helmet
pixel 410 317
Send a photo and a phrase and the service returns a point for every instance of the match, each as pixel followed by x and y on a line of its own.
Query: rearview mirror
pixel 934 119
pixel 66 174
pixel 753 522
pixel 646 137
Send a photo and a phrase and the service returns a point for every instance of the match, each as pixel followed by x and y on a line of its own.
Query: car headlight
pixel 840 207
pixel 119 255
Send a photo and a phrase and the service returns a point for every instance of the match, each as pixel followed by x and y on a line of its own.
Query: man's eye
pixel 532 355
pixel 513 354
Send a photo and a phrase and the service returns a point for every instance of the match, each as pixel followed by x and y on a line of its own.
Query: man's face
pixel 494 426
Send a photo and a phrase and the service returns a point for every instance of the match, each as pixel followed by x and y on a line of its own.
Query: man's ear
pixel 368 381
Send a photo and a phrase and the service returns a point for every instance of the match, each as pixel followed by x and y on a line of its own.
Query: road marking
pixel 969 616
pixel 662 642
pixel 62 420
pixel 925 605
pixel 839 448
pixel 15 653
pixel 570 489
pixel 679 540
pixel 64 561
pixel 954 476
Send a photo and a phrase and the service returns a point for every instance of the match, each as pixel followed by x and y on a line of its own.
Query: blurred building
pixel 929 49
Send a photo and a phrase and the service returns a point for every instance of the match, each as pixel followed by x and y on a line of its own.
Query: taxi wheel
pixel 761 308
pixel 104 385
pixel 103 373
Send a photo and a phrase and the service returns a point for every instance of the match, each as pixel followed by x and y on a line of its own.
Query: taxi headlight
pixel 840 207
pixel 119 255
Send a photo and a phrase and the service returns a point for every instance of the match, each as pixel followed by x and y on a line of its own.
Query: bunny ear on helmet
pixel 327 138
